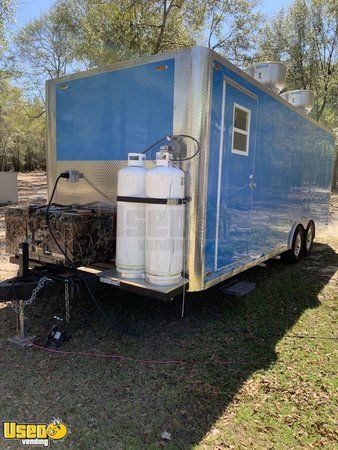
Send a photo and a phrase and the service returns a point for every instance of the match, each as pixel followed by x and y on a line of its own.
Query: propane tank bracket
pixel 158 201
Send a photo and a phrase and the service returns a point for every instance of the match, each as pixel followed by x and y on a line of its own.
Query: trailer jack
pixel 22 338
pixel 21 291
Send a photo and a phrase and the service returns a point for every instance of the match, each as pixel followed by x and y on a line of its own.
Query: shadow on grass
pixel 111 404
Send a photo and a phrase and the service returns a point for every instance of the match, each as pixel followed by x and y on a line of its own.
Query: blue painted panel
pixel 293 175
pixel 293 169
pixel 105 116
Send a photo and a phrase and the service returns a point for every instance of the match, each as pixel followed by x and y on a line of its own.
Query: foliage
pixel 6 11
pixel 232 27
pixel 45 49
pixel 22 130
pixel 107 31
pixel 306 37
pixel 6 15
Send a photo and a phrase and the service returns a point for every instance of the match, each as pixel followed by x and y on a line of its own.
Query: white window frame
pixel 238 130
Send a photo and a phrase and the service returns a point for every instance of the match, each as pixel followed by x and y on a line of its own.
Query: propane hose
pixel 172 137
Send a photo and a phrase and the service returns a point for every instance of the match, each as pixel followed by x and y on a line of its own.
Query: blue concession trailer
pixel 259 186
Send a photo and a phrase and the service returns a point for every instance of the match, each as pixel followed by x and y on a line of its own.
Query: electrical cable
pixel 169 361
pixel 289 336
pixel 142 361
pixel 83 278
pixel 184 261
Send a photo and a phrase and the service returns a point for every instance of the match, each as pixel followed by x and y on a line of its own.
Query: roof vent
pixel 271 74
pixel 301 98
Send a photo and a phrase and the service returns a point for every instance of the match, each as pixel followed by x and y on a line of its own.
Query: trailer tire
pixel 309 237
pixel 297 247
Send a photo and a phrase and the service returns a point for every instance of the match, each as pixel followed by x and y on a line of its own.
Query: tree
pixel 106 31
pixel 22 135
pixel 89 33
pixel 6 11
pixel 6 62
pixel 110 30
pixel 45 47
pixel 305 37
pixel 232 27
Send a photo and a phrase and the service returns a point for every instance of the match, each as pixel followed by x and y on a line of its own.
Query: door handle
pixel 252 185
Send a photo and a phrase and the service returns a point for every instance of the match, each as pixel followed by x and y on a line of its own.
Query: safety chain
pixel 67 305
pixel 42 282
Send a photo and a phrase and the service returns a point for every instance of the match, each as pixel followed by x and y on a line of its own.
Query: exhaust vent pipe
pixel 301 98
pixel 271 74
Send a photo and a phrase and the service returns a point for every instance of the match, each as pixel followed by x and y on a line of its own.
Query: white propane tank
pixel 301 98
pixel 165 222
pixel 131 220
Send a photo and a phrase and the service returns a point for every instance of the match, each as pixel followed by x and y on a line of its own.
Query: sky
pixel 270 7
pixel 30 9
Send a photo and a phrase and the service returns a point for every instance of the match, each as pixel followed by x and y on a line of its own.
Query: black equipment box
pixel 86 235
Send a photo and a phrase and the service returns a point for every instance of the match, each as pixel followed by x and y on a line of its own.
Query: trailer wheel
pixel 309 237
pixel 297 248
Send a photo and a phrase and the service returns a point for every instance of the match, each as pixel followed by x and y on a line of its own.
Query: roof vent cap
pixel 301 98
pixel 271 74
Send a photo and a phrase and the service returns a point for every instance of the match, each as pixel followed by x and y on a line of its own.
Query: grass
pixel 283 398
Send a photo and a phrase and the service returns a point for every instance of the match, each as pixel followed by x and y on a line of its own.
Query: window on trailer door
pixel 240 130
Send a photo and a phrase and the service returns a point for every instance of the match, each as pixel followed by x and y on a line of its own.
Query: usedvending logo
pixel 35 433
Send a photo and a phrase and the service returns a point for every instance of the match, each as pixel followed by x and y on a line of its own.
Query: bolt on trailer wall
pixel 269 169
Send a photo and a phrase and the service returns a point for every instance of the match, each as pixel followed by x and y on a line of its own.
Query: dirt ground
pixel 257 372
